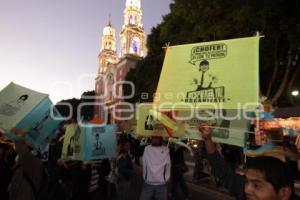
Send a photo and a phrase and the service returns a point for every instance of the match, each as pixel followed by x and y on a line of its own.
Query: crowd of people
pixel 25 176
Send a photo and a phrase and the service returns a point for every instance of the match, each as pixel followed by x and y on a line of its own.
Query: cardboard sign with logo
pixel 73 143
pixel 223 73
pixel 228 126
pixel 146 124
pixel 100 142
pixel 29 111
pixel 90 142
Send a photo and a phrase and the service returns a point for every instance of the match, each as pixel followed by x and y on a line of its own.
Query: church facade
pixel 113 66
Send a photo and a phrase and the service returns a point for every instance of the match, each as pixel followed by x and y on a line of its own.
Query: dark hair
pixel 203 62
pixel 122 143
pixel 4 146
pixel 275 171
pixel 276 135
pixel 23 97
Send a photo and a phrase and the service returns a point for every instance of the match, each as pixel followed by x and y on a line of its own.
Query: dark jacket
pixel 125 167
pixel 20 188
pixel 233 182
pixel 5 175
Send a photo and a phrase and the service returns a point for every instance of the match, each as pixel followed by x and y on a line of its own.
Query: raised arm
pixel 231 181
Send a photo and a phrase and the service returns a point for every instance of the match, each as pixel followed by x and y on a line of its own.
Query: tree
pixel 192 21
pixel 146 74
pixel 86 110
pixel 65 110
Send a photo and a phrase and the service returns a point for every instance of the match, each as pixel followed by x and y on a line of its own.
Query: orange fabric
pixel 96 120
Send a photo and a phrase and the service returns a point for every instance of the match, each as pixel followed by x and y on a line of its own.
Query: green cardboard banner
pixel 228 126
pixel 223 73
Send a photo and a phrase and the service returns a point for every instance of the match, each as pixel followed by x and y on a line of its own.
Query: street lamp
pixel 295 93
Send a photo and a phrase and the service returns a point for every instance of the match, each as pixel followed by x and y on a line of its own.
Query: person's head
pixel 124 146
pixel 157 141
pixel 204 66
pixel 274 135
pixel 268 178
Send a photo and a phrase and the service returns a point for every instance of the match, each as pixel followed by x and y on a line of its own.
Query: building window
pixel 135 46
pixel 132 19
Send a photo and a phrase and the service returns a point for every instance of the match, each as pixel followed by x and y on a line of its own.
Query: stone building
pixel 113 66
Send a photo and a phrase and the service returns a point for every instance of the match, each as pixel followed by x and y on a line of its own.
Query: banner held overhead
pixel 220 73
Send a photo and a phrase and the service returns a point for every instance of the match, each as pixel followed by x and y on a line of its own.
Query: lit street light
pixel 295 93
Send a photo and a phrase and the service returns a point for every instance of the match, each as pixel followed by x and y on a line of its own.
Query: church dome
pixel 133 3
pixel 109 30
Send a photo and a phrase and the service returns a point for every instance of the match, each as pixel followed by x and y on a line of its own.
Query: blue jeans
pixel 158 192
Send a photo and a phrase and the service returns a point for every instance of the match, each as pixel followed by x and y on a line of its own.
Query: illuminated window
pixel 132 19
pixel 136 45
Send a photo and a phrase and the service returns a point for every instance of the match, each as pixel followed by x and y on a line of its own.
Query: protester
pixel 135 150
pixel 232 155
pixel 112 177
pixel 156 170
pixel 266 178
pixel 5 173
pixel 94 181
pixel 178 168
pixel 292 155
pixel 104 170
pixel 64 179
pixel 54 190
pixel 125 171
pixel 199 156
pixel 27 175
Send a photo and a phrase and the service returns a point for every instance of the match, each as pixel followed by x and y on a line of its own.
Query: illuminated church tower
pixel 108 54
pixel 107 60
pixel 132 34
pixel 112 70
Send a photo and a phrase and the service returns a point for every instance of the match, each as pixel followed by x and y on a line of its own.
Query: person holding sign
pixel 156 170
pixel 266 178
pixel 125 170
pixel 26 180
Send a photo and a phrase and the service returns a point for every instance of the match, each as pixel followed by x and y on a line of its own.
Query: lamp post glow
pixel 295 93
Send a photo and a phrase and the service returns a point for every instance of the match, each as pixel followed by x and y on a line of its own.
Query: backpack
pixel 48 186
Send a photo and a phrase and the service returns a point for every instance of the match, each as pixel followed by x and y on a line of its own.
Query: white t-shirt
pixel 156 165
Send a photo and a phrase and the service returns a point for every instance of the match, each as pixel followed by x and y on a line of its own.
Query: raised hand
pixel 205 131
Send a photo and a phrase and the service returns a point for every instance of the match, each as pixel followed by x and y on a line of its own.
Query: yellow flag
pixel 203 75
